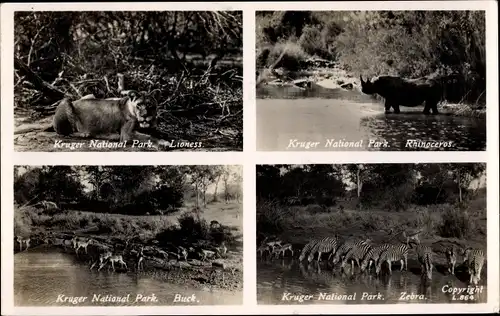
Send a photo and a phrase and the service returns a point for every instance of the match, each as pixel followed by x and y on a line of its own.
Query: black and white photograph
pixel 128 235
pixel 371 80
pixel 128 81
pixel 371 234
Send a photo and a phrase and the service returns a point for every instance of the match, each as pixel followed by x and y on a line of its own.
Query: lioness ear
pixel 132 94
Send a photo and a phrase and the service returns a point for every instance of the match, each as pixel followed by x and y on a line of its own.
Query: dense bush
pixel 455 223
pixel 406 43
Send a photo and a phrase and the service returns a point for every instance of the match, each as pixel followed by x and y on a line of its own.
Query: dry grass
pixel 299 224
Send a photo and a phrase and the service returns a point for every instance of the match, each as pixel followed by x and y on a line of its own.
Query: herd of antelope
pixel 366 254
pixel 114 257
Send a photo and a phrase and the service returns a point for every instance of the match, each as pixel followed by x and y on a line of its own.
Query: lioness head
pixel 144 107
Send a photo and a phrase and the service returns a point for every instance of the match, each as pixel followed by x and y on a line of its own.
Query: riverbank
pixel 330 75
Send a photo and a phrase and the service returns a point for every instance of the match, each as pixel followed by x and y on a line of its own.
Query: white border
pixel 249 158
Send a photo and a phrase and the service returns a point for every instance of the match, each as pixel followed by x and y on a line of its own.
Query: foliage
pixel 130 190
pixel 390 186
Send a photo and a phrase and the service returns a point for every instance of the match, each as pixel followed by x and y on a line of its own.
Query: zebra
pixel 474 260
pixel 307 248
pixel 282 250
pixel 357 253
pixel 424 254
pixel 345 248
pixel 325 245
pixel 451 259
pixel 372 256
pixel 394 253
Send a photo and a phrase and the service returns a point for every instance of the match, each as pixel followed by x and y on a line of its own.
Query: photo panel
pixel 128 235
pixel 371 234
pixel 128 81
pixel 371 80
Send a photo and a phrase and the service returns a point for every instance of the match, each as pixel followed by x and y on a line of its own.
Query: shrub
pixel 270 217
pixel 455 224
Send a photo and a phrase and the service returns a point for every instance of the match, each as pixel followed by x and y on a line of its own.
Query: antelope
pixel 21 240
pixel 204 254
pixel 113 259
pixel 412 237
pixel 140 259
pixel 102 259
pixel 273 244
pixel 83 245
pixel 221 250
pixel 183 252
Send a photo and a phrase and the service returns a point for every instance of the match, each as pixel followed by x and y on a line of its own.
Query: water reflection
pixel 41 276
pixel 317 114
pixel 275 278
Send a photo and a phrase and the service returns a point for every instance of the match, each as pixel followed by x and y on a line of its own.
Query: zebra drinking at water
pixel 345 248
pixel 325 245
pixel 474 261
pixel 356 254
pixel 394 253
pixel 424 254
pixel 372 256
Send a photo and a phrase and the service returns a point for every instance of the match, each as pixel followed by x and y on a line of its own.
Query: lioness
pixel 91 117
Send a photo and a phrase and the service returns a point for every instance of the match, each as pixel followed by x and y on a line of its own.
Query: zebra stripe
pixel 373 255
pixel 307 248
pixel 394 253
pixel 474 259
pixel 345 248
pixel 325 245
pixel 424 254
pixel 355 255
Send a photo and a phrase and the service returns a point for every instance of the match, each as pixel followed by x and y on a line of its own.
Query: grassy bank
pixel 439 223
pixel 160 235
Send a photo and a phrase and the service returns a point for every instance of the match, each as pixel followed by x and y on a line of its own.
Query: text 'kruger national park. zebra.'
pixel 371 233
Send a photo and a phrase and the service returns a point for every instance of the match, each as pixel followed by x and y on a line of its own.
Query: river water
pixel 42 275
pixel 289 115
pixel 279 277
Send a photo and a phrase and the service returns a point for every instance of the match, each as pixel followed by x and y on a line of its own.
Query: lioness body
pixel 398 91
pixel 91 117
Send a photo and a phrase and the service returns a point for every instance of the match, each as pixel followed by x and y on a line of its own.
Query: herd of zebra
pixel 366 254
